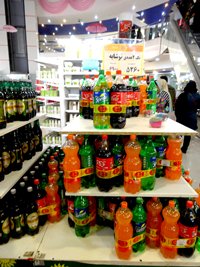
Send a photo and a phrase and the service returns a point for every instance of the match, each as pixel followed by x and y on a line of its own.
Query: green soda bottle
pixel 152 94
pixel 87 155
pixel 139 224
pixel 148 156
pixel 101 96
pixel 160 146
pixel 81 213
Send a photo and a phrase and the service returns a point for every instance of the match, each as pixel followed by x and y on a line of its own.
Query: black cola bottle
pixel 37 136
pixel 104 166
pixel 6 155
pixel 118 96
pixel 4 222
pixel 188 227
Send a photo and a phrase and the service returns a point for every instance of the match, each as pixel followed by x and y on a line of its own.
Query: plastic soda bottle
pixel 53 168
pixel 160 146
pixel 154 220
pixel 123 231
pixel 136 98
pixel 118 95
pixel 101 96
pixel 174 153
pixel 53 200
pixel 197 213
pixel 143 94
pixel 132 162
pixel 87 154
pixel 81 216
pixel 148 155
pixel 129 98
pixel 188 229
pixel 104 165
pixel 139 224
pixel 152 94
pixel 85 93
pixel 109 79
pixel 71 162
pixel 70 210
pixel 169 230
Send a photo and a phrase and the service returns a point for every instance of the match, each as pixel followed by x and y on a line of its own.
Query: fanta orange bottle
pixel 71 162
pixel 132 162
pixel 143 94
pixel 123 231
pixel 169 231
pixel 174 154
pixel 154 220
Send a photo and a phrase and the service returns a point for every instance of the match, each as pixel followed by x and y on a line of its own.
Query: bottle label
pixel 81 216
pixel 169 163
pixel 9 107
pixel 17 223
pixel 78 173
pixel 13 157
pixel 42 202
pixel 106 215
pixel 2 110
pixel 32 145
pixel 51 209
pixel 160 151
pixel 70 208
pixel 152 162
pixel 36 140
pixel 187 232
pixel 84 221
pixel 14 106
pixel 1 166
pixel 139 227
pixel 118 98
pixel 34 104
pixel 107 109
pixel 6 226
pixel 130 242
pixel 101 97
pixel 135 103
pixel 152 234
pixel 30 106
pixel 118 159
pixel 110 173
pixel 136 95
pixel 87 161
pixel 32 220
pixel 6 159
pixel 104 164
pixel 177 243
pixel 25 147
pixel 21 106
pixel 84 103
pixel 149 101
pixel 130 175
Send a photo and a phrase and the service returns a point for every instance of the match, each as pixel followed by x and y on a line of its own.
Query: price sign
pixel 129 58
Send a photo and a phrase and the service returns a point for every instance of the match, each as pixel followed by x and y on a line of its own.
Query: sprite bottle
pixel 81 214
pixel 152 94
pixel 160 146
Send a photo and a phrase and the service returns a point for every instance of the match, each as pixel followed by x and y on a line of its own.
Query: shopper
pixel 172 91
pixel 196 17
pixel 165 103
pixel 186 110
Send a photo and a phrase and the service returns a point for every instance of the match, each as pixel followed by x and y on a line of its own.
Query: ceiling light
pixel 74 28
pixel 43 43
pixel 117 19
pixel 142 14
pixel 53 33
pixel 159 20
pixel 45 36
pixel 143 19
pixel 56 28
pixel 61 25
pixel 42 25
pixel 49 21
pixel 133 7
pixel 95 17
pixel 64 20
pixel 100 22
pixel 82 23
pixel 164 70
pixel 70 33
pixel 163 13
pixel 45 40
pixel 166 4
pixel 157 59
pixel 49 48
pixel 88 32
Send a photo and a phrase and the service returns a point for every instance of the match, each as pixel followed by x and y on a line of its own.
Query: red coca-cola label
pixel 70 205
pixel 41 203
pixel 129 96
pixel 136 95
pixel 85 95
pixel 187 232
pixel 104 164
pixel 118 98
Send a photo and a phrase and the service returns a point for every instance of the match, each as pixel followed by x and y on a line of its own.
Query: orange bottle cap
pixel 132 137
pixel 104 137
pixel 172 204
pixel 187 172
pixel 108 72
pixel 118 72
pixel 70 137
pixel 124 204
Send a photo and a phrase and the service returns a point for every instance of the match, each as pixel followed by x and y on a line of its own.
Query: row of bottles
pixel 119 91
pixel 17 101
pixel 19 145
pixel 121 160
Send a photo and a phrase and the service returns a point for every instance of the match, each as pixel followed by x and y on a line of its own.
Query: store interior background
pixel 165 53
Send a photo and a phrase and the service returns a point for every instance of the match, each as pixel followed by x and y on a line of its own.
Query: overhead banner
pixel 125 55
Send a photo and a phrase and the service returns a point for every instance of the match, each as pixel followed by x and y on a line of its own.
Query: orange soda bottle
pixel 53 168
pixel 109 79
pixel 132 162
pixel 53 198
pixel 154 220
pixel 169 230
pixel 143 94
pixel 123 231
pixel 174 153
pixel 71 162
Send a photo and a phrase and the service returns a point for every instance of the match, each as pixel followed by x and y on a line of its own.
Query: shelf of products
pixel 54 116
pixel 12 178
pixel 17 124
pixel 50 98
pixel 138 125
pixel 80 73
pixel 163 188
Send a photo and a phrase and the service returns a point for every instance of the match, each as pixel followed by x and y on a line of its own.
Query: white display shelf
pixel 50 98
pixel 98 248
pixel 163 188
pixel 72 111
pixel 12 126
pixel 11 179
pixel 23 248
pixel 138 125
pixel 80 73
pixel 48 63
pixel 54 116
pixel 72 98
pixel 51 128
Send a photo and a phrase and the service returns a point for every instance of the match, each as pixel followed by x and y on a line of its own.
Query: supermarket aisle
pixel 191 160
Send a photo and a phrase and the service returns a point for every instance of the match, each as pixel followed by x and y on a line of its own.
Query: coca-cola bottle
pixel 118 95
pixel 104 164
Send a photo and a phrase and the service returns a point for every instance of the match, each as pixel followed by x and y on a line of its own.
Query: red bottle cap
pixel 155 199
pixel 186 172
pixel 124 204
pixel 104 137
pixel 172 204
pixel 118 72
pixel 36 181
pixel 51 157
pixel 189 204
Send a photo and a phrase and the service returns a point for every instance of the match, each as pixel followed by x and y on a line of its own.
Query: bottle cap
pixel 22 184
pixel 36 181
pixel 186 172
pixel 189 204
pixel 52 157
pixel 172 204
pixel 118 72
pixel 104 137
pixel 155 199
pixel 124 204
pixel 70 137
pixel 13 191
pixel 139 200
pixel 30 189
pixel 108 72
pixel 132 137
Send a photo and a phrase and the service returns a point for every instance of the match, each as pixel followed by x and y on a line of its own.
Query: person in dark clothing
pixel 186 110
pixel 171 90
pixel 196 15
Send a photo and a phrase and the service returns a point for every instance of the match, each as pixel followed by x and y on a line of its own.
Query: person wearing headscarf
pixel 186 110
pixel 165 102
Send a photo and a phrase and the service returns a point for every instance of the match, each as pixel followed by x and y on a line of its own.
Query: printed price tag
pixel 169 163
pixel 48 210
pixel 130 242
pixel 84 103
pixel 178 243
pixel 110 109
pixel 130 175
pixel 78 173
pixel 109 173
